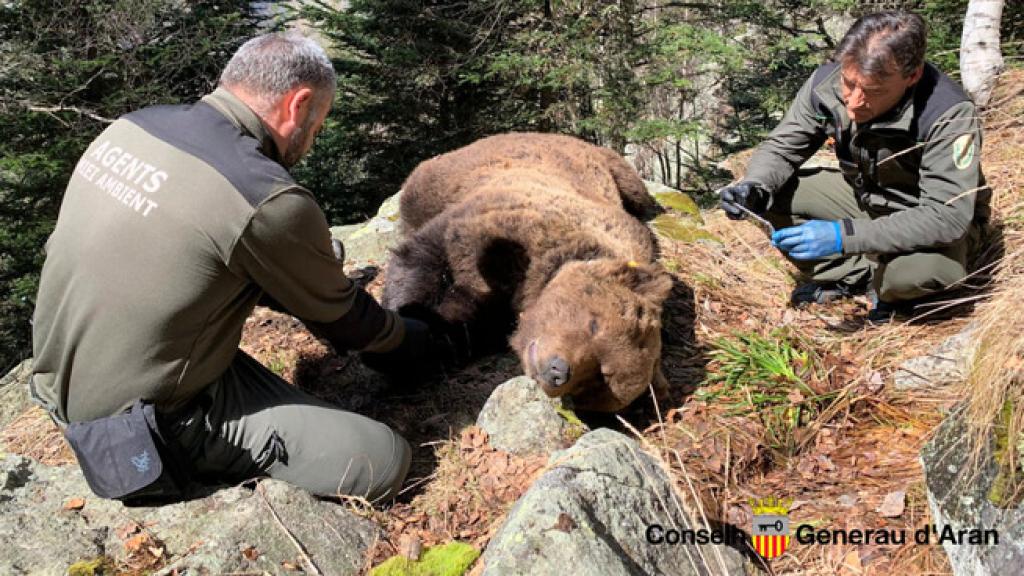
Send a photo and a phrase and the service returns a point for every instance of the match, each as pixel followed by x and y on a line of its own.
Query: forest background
pixel 675 86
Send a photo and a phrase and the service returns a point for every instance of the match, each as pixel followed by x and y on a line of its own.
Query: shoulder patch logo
pixel 963 151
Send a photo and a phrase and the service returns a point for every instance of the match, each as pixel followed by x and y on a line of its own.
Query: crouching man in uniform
pixel 176 222
pixel 909 203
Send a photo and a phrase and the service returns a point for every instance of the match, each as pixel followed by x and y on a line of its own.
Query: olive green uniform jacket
pixel 176 221
pixel 915 170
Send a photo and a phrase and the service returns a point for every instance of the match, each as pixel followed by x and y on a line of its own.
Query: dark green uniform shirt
pixel 915 169
pixel 176 221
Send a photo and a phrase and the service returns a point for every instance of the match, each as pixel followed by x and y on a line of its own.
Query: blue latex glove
pixel 810 241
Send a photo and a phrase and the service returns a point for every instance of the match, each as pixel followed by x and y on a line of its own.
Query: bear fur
pixel 537 236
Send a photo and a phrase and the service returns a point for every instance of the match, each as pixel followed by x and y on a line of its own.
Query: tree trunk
pixel 980 57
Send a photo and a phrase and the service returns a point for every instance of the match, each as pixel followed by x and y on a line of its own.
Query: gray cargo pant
pixel 823 194
pixel 251 423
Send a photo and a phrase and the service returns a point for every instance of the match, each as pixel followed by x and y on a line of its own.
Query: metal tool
pixel 758 220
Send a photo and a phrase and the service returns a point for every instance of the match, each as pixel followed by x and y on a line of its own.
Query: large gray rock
pixel 948 363
pixel 206 535
pixel 959 499
pixel 589 514
pixel 36 534
pixel 14 398
pixel 367 244
pixel 519 418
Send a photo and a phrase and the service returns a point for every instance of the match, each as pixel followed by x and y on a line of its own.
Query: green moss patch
pixel 1005 492
pixel 576 426
pixel 681 203
pixel 94 567
pixel 681 229
pixel 452 559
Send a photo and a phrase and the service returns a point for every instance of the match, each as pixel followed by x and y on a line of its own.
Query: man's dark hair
pixel 878 43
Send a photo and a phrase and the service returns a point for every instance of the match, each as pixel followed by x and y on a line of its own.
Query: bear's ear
pixel 649 280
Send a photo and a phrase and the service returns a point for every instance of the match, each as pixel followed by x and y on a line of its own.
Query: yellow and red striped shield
pixel 770 546
pixel 770 529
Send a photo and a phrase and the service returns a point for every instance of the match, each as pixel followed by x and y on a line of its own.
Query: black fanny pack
pixel 125 457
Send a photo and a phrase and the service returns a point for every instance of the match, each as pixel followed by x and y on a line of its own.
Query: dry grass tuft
pixel 995 388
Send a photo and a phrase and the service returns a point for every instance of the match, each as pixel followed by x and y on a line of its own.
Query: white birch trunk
pixel 981 59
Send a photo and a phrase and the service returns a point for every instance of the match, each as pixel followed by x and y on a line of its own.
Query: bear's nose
pixel 556 373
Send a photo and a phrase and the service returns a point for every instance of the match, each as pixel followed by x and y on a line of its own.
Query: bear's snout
pixel 555 372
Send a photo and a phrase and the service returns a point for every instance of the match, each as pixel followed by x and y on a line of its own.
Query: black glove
pixel 747 194
pixel 415 356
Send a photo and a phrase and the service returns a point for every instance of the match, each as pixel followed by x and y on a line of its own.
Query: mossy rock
pixel 681 203
pixel 965 494
pixel 1004 492
pixel 452 559
pixel 681 229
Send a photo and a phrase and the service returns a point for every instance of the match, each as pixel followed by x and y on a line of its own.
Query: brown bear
pixel 537 234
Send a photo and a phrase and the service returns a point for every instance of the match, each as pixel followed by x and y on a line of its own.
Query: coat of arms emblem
pixel 770 530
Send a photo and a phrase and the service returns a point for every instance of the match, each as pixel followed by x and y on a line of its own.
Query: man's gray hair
pixel 270 65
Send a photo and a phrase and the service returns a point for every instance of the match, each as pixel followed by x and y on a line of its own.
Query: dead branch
pixel 52 110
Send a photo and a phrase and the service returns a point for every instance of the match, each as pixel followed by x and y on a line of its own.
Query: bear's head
pixel 594 332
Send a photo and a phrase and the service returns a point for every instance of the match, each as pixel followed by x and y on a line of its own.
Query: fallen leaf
pixel 893 505
pixel 806 469
pixel 852 565
pixel 75 504
pixel 826 463
pixel 738 515
pixel 134 544
pixel 869 554
pixel 251 553
pixel 565 523
pixel 499 463
pixel 478 437
pixel 847 500
pixel 410 546
pixel 127 530
pixel 714 463
pixel 875 381
pixel 195 546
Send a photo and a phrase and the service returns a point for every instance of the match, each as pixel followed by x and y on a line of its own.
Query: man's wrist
pixel 762 196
